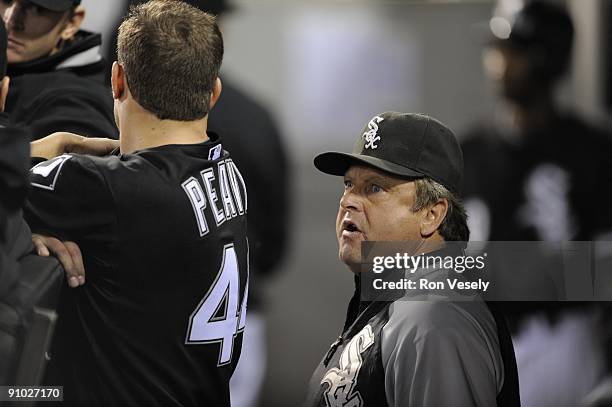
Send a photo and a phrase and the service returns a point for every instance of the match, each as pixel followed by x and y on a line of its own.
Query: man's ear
pixel 216 92
pixel 118 83
pixel 433 217
pixel 4 89
pixel 73 25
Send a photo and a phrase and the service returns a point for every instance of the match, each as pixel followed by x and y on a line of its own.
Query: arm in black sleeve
pixel 70 199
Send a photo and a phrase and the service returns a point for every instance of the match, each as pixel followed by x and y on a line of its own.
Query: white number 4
pixel 210 323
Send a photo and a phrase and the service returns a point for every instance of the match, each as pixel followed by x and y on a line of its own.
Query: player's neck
pixel 140 130
pixel 537 112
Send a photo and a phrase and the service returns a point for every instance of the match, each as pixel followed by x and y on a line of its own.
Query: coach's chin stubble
pixel 349 249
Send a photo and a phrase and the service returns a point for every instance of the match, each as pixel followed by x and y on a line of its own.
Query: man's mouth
pixel 350 229
pixel 12 43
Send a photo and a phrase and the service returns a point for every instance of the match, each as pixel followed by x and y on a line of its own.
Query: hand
pixel 68 253
pixel 89 145
pixel 60 143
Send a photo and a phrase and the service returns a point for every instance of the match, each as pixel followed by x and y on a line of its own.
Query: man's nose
pixel 351 201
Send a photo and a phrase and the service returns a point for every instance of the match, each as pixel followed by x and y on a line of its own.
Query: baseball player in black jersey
pixel 58 77
pixel 158 318
pixel 544 163
pixel 401 183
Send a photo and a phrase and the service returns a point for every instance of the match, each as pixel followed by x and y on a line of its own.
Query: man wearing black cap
pixel 56 71
pixel 545 171
pixel 533 146
pixel 401 183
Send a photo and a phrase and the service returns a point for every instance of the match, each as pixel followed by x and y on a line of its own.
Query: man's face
pixel 375 206
pixel 511 72
pixel 33 31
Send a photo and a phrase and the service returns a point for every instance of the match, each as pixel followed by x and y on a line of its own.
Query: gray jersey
pixel 415 352
pixel 441 354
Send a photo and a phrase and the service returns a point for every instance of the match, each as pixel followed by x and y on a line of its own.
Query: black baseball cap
pixel 56 5
pixel 541 22
pixel 216 7
pixel 408 145
pixel 543 27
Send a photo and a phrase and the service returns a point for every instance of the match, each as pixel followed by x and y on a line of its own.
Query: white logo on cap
pixel 371 136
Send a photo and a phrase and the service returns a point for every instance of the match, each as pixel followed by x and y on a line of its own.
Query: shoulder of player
pixel 144 163
pixel 98 164
pixel 431 337
pixel 115 164
pixel 126 172
pixel 73 177
pixel 419 320
pixel 75 168
pixel 419 328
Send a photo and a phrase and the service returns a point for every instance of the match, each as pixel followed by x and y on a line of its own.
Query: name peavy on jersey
pixel 225 204
pixel 161 316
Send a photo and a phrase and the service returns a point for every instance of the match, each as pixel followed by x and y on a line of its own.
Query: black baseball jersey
pixel 159 320
pixel 539 185
pixel 66 91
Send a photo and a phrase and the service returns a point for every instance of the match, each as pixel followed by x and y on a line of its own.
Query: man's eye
pixel 347 184
pixel 34 9
pixel 376 188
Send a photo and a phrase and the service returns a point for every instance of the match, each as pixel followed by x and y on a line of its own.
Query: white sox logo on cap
pixel 371 136
pixel 415 146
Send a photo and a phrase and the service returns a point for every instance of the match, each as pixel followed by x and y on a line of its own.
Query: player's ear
pixel 118 82
pixel 73 25
pixel 4 89
pixel 216 92
pixel 433 217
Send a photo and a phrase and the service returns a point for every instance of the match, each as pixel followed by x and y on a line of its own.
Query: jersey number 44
pixel 219 317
